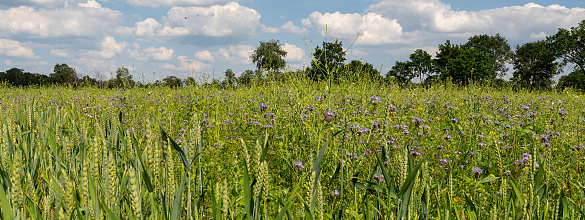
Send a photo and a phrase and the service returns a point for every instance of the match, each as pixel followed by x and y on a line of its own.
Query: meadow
pixel 292 150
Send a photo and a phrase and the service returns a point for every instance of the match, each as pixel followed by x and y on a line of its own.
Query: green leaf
pixel 288 203
pixel 247 193
pixel 488 179
pixel 177 208
pixel 109 212
pixel 6 207
pixel 317 170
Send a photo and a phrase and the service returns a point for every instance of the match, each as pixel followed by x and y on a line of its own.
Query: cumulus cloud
pixel 540 35
pixel 237 55
pixel 59 53
pixel 171 3
pixel 288 27
pixel 90 4
pixel 186 64
pixel 294 53
pixel 160 54
pixel 13 48
pixel 109 49
pixel 88 65
pixel 204 56
pixel 200 25
pixel 373 28
pixel 41 3
pixel 516 22
pixel 53 24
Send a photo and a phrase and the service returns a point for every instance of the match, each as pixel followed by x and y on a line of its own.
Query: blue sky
pixel 192 37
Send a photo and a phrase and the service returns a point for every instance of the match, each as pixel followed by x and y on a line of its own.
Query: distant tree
pixel 190 81
pixel 246 77
pixel 496 48
pixel 269 55
pixel 570 45
pixel 575 79
pixel 230 77
pixel 88 81
pixel 63 74
pixel 329 59
pixel 461 64
pixel 535 65
pixel 401 72
pixel 364 70
pixel 421 64
pixel 172 81
pixel 123 77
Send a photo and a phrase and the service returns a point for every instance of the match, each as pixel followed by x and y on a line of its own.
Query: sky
pixel 202 38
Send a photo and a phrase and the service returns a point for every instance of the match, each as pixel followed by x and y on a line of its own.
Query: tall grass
pixel 294 149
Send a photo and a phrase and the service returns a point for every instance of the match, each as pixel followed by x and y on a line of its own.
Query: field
pixel 294 150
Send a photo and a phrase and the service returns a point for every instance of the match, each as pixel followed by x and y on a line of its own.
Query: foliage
pixel 534 65
pixel 575 79
pixel 327 62
pixel 496 48
pixel 361 70
pixel 462 65
pixel 172 81
pixel 269 55
pixel 63 74
pixel 230 77
pixel 570 45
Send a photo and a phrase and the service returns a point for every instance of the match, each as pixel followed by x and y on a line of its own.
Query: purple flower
pixel 447 137
pixel 454 120
pixel 481 144
pixel 328 116
pixel 375 99
pixel 477 171
pixel 299 165
pixel 262 107
pixel 507 173
pixel 335 193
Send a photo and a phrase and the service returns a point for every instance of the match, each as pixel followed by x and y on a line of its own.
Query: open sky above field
pixel 182 37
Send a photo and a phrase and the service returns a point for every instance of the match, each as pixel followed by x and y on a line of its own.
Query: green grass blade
pixel 6 207
pixel 177 208
pixel 247 193
pixel 488 179
pixel 288 203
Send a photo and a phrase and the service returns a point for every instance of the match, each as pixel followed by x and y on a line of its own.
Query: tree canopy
pixel 269 55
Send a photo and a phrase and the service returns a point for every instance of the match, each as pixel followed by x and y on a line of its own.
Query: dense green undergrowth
pixel 294 150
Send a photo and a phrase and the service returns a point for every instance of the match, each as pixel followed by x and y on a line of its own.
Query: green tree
pixel 570 45
pixel 63 74
pixel 172 81
pixel 230 77
pixel 329 59
pixel 496 48
pixel 269 55
pixel 421 64
pixel 575 79
pixel 534 65
pixel 402 72
pixel 123 77
pixel 362 70
pixel 246 77
pixel 190 81
pixel 462 64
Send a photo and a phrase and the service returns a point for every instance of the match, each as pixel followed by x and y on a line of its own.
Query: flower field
pixel 294 150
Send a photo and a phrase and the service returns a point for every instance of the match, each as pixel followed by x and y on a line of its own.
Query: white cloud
pixel 66 22
pixel 237 55
pixel 515 22
pixel 373 28
pixel 204 56
pixel 357 53
pixel 294 53
pixel 171 3
pixel 288 27
pixel 27 64
pixel 186 65
pixel 88 65
pixel 41 3
pixel 160 54
pixel 90 4
pixel 200 25
pixel 540 35
pixel 109 49
pixel 59 53
pixel 13 48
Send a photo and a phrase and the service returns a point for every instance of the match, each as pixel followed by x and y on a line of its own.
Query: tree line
pixel 482 58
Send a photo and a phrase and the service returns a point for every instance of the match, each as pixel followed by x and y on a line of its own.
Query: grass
pixel 291 150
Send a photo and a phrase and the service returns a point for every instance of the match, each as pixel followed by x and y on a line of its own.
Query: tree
pixel 172 81
pixel 360 69
pixel 269 55
pixel 401 72
pixel 570 45
pixel 575 79
pixel 230 77
pixel 123 77
pixel 496 48
pixel 421 63
pixel 190 81
pixel 461 64
pixel 534 65
pixel 329 59
pixel 246 77
pixel 62 74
